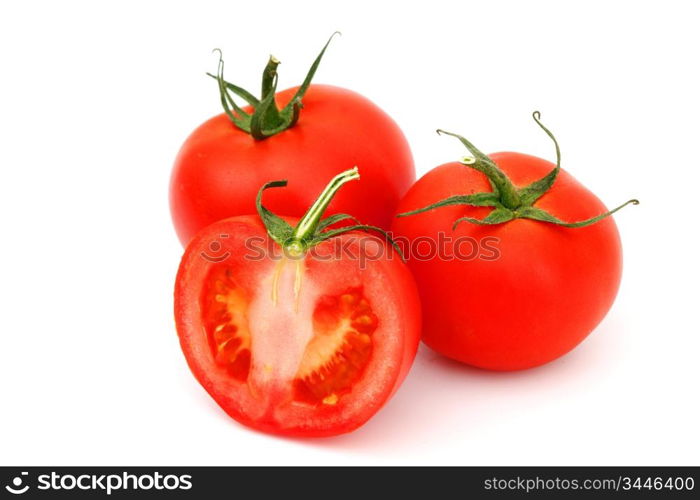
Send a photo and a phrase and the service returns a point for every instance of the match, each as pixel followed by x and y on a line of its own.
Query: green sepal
pixel 334 219
pixel 236 114
pixel 266 119
pixel 533 192
pixel 475 200
pixel 312 229
pixel 239 91
pixel 535 213
pixel 278 229
pixel 332 233
pixel 510 202
pixel 296 100
pixel 498 216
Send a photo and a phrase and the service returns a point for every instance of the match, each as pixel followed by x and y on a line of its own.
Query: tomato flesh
pixel 339 351
pixel 308 347
pixel 334 358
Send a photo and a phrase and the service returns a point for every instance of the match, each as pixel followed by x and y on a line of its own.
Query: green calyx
pixel 266 119
pixel 312 229
pixel 509 201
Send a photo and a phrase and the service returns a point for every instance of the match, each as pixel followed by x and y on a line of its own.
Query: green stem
pixel 508 201
pixel 269 115
pixel 268 76
pixel 311 229
pixel 507 192
pixel 308 224
pixel 265 119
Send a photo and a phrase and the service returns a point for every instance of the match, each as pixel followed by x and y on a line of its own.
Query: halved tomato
pixel 305 346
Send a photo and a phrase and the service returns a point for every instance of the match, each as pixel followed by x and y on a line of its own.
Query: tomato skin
pixel 547 290
pixel 220 168
pixel 387 282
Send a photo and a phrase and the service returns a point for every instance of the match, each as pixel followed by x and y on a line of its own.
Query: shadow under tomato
pixel 441 397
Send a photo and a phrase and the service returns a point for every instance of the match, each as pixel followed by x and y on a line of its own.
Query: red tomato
pixel 524 291
pixel 219 169
pixel 312 346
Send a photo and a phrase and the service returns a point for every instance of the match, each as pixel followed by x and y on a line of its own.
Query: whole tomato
pixel 286 333
pixel 508 284
pixel 222 164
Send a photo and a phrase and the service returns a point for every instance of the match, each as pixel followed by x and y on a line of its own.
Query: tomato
pixel 300 342
pixel 221 166
pixel 514 291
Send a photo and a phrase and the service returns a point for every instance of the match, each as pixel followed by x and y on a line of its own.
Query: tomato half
pixel 304 347
pixel 528 295
pixel 219 168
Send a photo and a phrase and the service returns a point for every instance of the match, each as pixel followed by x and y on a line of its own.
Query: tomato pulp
pixel 312 346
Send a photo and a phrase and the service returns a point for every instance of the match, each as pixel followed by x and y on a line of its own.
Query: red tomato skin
pixel 220 168
pixel 395 281
pixel 547 290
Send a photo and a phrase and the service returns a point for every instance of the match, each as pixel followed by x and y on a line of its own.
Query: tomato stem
pixel 312 229
pixel 309 223
pixel 269 75
pixel 502 185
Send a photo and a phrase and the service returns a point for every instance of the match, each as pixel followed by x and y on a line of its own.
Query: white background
pixel 96 98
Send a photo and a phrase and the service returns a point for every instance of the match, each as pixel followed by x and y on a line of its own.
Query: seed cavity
pixel 340 350
pixel 224 311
